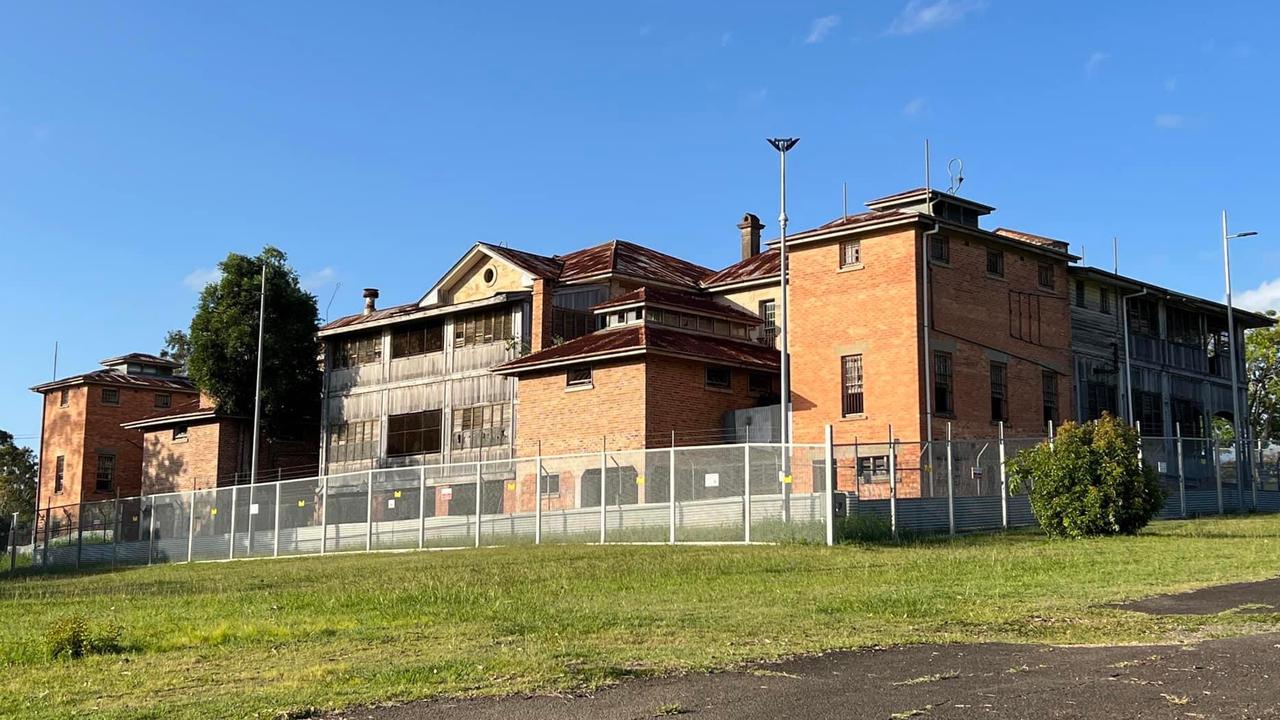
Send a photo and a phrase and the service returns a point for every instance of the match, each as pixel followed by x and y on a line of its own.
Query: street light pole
pixel 257 383
pixel 1237 425
pixel 782 145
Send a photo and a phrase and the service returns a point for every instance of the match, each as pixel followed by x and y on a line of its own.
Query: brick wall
pixel 575 420
pixel 677 399
pixel 63 435
pixel 171 465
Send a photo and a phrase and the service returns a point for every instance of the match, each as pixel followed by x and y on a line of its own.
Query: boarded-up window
pixel 417 339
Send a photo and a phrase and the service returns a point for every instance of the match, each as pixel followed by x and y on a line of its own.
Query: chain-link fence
pixel 701 494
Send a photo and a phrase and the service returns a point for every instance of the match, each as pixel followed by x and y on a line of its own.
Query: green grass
pixel 263 637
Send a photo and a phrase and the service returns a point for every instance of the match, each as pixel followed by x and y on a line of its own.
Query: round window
pixel 490 275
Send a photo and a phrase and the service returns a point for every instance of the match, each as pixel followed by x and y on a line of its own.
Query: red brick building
pixel 85 453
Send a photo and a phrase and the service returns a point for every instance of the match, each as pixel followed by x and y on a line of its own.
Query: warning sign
pixel 446 492
pixel 711 480
pixel 391 503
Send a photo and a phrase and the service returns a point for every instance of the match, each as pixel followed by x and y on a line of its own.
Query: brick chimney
pixel 750 228
pixel 370 300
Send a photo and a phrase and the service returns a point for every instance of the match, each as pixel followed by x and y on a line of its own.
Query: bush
pixel 73 637
pixel 1090 482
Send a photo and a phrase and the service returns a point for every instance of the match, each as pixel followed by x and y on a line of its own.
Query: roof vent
pixel 370 300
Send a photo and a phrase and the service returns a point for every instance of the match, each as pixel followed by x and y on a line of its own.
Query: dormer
pixel 685 311
pixel 951 208
pixel 141 364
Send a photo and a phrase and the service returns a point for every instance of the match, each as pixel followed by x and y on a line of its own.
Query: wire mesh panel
pixel 571 498
pixel 636 508
pixel 258 533
pixel 808 499
pixel 211 529
pixel 132 525
pixel 451 505
pixel 169 527
pixel 512 483
pixel 710 484
pixel 301 513
pixel 397 493
pixel 95 537
pixel 346 504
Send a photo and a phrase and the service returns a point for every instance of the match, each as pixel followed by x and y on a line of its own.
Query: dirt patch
pixel 1254 598
pixel 1219 678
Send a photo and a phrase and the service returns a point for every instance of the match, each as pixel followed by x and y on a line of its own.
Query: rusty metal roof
pixel 360 318
pixel 757 266
pixel 192 411
pixel 636 261
pixel 644 338
pixel 112 377
pixel 532 263
pixel 1033 239
pixel 144 358
pixel 679 300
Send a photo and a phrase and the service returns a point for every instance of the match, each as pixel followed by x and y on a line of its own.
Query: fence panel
pixel 170 528
pixel 301 526
pixel 346 504
pixel 509 515
pixel 397 504
pixel 211 533
pixel 636 507
pixel 450 505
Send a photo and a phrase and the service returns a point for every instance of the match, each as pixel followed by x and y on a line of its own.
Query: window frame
pixel 59 474
pixel 997 255
pixel 64 397
pixel 876 470
pixel 181 433
pixel 999 391
pixel 1041 269
pixel 114 393
pixel 574 378
pixel 755 380
pixel 944 360
pixel 98 482
pixel 853 389
pixel 404 435
pixel 357 350
pixel 717 385
pixel 546 482
pixel 1049 396
pixel 940 250
pixel 168 400
pixel 414 339
pixel 1104 301
pixel 847 247
pixel 1080 294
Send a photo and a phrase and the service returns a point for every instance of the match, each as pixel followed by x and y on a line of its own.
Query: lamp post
pixel 1231 346
pixel 782 145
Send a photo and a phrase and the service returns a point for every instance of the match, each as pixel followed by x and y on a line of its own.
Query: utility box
pixel 841 502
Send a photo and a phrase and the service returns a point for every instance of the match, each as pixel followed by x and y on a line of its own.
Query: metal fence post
pixel 235 500
pixel 1182 475
pixel 1257 475
pixel 44 551
pixel 1051 443
pixel 13 544
pixel 368 515
pixel 151 529
pixel 249 515
pixel 324 512
pixel 1004 483
pixel 479 489
pixel 422 507
pixel 537 486
pixel 191 525
pixel 951 484
pixel 604 506
pixel 893 484
pixel 829 453
pixel 671 473
pixel 1137 426
pixel 115 530
pixel 79 537
pixel 1217 472
pixel 275 535
pixel 746 492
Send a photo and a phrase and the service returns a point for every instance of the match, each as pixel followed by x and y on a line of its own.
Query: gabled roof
pixel 922 195
pixel 760 265
pixel 633 340
pixel 1027 237
pixel 141 358
pixel 112 377
pixel 678 300
pixel 386 313
pixel 532 263
pixel 619 257
pixel 187 413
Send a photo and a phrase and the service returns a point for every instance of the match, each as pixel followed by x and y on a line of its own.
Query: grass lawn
pixel 257 638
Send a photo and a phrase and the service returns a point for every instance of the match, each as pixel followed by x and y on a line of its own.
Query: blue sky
pixel 140 142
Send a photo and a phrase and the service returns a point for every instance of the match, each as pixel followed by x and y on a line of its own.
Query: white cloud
pixel 821 28
pixel 198 278
pixel 1264 297
pixel 1170 121
pixel 318 279
pixel 922 15
pixel 914 107
pixel 1095 61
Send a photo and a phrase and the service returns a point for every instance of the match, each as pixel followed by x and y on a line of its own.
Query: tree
pixel 1262 374
pixel 177 347
pixel 1089 481
pixel 18 472
pixel 224 344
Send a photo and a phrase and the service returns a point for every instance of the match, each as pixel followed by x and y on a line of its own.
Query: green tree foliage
pixel 1262 373
pixel 1089 482
pixel 224 341
pixel 177 347
pixel 18 472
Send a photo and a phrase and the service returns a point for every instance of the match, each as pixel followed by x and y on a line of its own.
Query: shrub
pixel 73 637
pixel 1090 482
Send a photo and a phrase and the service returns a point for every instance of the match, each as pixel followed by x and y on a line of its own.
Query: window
pixel 64 397
pixel 999 392
pixel 163 400
pixel 480 426
pixel 353 440
pixel 59 473
pixel 414 433
pixel 1150 411
pixel 851 379
pixel 760 383
pixel 417 339
pixel 1024 317
pixel 485 326
pixel 357 350
pixel 1144 318
pixel 1049 388
pixel 1104 300
pixel 105 476
pixel 768 313
pixel 551 483
pixel 995 263
pixel 940 249
pixel 873 468
pixel 578 377
pixel 489 276
pixel 1079 292
pixel 850 253
pixel 180 433
pixel 719 377
pixel 1046 276
pixel 943 397
pixel 110 396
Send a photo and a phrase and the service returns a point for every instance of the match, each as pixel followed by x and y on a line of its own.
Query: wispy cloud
pixel 914 107
pixel 318 279
pixel 1264 297
pixel 1171 121
pixel 1170 84
pixel 822 27
pixel 1095 62
pixel 725 38
pixel 923 15
pixel 198 278
pixel 1242 50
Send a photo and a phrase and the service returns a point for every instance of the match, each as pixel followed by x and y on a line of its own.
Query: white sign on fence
pixel 253 509
pixel 711 479
pixel 391 503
